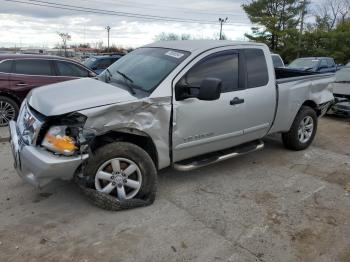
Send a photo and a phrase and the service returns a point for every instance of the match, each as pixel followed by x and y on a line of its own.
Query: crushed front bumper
pixel 36 165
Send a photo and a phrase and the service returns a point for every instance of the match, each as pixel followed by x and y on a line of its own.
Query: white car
pixel 341 91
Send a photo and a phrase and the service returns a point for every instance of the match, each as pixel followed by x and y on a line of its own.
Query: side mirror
pixel 210 89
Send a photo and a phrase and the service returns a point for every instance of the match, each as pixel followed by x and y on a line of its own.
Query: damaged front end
pixel 47 148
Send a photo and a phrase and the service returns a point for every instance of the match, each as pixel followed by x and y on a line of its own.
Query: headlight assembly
pixel 59 139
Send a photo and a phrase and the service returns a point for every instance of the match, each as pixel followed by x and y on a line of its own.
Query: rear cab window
pixel 40 67
pixel 277 61
pixel 257 73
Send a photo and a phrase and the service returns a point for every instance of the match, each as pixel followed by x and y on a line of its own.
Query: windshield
pixel 90 62
pixel 304 63
pixel 145 68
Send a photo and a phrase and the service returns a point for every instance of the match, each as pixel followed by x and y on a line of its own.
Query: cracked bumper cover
pixel 38 166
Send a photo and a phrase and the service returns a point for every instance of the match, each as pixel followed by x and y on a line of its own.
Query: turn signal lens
pixel 58 141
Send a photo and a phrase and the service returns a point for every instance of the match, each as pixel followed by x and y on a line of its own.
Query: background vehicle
pixel 21 73
pixel 314 64
pixel 277 61
pixel 341 91
pixel 184 104
pixel 100 63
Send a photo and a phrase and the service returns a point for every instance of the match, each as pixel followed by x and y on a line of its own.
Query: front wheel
pixel 302 131
pixel 123 172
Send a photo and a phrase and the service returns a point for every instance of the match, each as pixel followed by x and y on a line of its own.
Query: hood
pixel 74 95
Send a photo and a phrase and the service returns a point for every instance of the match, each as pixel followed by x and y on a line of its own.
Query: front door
pixel 205 126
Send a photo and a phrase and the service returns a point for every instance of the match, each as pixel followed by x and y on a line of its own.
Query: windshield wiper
pixel 343 81
pixel 126 78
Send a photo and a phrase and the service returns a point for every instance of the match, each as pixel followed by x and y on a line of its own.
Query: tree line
pixel 295 28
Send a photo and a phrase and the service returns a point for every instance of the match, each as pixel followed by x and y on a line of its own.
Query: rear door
pixel 260 95
pixel 30 73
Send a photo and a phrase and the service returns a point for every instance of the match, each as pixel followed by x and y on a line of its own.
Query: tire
pixel 128 156
pixel 293 139
pixel 8 110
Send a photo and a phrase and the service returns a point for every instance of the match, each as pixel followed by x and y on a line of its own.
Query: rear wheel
pixel 8 110
pixel 302 131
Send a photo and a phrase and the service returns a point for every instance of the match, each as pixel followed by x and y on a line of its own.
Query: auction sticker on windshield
pixel 174 54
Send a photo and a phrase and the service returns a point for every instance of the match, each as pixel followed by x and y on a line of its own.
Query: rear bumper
pixel 37 166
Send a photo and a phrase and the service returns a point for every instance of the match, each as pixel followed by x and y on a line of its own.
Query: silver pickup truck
pixel 184 104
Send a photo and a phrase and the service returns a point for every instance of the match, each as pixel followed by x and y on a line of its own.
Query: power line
pixel 108 12
pixel 172 8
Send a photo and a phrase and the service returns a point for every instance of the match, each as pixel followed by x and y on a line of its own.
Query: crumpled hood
pixel 74 95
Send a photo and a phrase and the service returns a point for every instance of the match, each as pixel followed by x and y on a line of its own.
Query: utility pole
pixel 222 21
pixel 303 12
pixel 108 28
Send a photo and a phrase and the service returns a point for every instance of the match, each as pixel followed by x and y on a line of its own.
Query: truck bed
pixel 293 90
pixel 284 75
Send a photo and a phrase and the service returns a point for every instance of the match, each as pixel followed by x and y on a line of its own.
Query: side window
pixel 277 61
pixel 257 74
pixel 104 63
pixel 330 62
pixel 223 65
pixel 69 69
pixel 5 66
pixel 33 67
pixel 323 63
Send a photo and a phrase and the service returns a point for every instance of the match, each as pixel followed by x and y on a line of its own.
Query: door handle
pixel 236 101
pixel 21 84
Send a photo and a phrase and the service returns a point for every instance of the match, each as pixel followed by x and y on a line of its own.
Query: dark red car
pixel 21 73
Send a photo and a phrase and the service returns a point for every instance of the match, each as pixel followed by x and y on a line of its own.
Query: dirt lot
pixel 272 205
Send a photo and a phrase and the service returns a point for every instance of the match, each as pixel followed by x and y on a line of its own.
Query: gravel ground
pixel 4 134
pixel 272 205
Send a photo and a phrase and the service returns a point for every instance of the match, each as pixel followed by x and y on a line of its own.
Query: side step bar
pixel 211 158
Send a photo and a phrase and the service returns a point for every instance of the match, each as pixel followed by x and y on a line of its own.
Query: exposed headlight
pixel 28 125
pixel 58 139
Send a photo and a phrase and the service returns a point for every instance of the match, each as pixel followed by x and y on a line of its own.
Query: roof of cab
pixel 199 45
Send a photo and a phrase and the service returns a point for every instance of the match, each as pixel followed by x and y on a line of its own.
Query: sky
pixel 37 26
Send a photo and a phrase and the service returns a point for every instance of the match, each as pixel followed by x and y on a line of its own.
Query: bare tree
pixel 64 37
pixel 332 11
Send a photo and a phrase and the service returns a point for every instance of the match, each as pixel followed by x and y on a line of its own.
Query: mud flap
pixel 108 202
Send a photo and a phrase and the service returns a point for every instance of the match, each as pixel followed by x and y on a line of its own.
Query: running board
pixel 211 158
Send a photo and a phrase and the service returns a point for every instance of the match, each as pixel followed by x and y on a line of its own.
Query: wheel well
pixel 11 96
pixel 313 105
pixel 140 139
